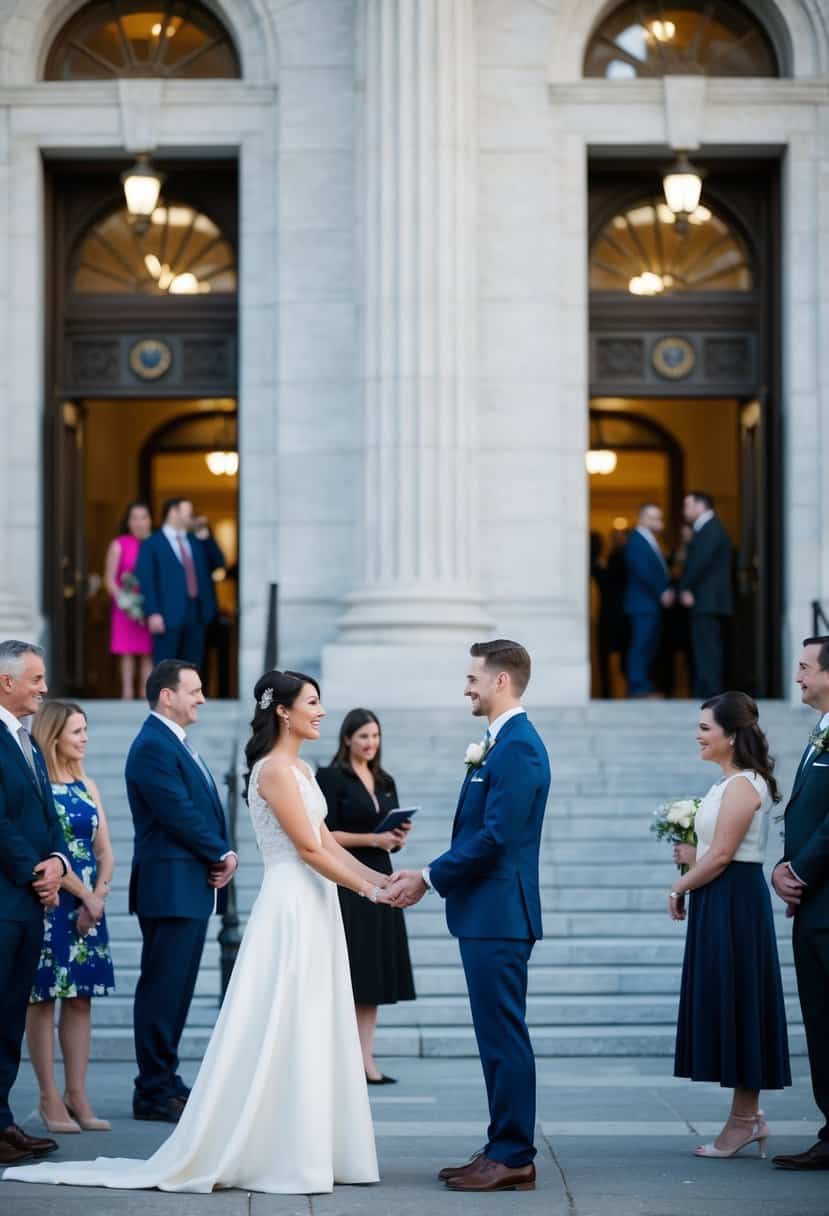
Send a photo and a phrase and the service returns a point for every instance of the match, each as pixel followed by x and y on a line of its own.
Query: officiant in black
pixel 360 793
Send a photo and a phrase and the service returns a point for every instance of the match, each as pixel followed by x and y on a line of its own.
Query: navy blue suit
pixel 163 584
pixel 180 833
pixel 29 832
pixel 489 879
pixel 647 579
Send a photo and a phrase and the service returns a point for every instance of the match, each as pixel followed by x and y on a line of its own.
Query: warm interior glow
pixel 222 464
pixel 600 461
pixel 661 31
pixel 646 284
pixel 683 186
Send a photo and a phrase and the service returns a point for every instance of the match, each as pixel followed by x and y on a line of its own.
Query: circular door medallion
pixel 673 358
pixel 150 358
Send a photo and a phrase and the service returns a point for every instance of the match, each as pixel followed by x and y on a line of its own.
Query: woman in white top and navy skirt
pixel 732 1020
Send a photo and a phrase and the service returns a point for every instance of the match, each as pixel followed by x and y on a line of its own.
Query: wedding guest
pixel 802 880
pixel 732 1020
pixel 705 589
pixel 359 793
pixel 175 572
pixel 647 594
pixel 129 636
pixel 75 961
pixel 32 863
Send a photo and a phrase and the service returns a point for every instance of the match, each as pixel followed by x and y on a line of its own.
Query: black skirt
pixel 732 1019
pixel 378 948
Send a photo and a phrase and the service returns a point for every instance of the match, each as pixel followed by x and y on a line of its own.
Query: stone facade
pixel 413 312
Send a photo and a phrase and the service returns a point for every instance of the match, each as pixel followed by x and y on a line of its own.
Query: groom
pixel 802 880
pixel 489 879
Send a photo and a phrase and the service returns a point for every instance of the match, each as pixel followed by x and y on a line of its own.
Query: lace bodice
pixel 274 843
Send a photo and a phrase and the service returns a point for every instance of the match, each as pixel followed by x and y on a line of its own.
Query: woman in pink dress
pixel 130 638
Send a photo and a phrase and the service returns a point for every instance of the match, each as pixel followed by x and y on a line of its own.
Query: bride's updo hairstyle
pixel 737 714
pixel 273 689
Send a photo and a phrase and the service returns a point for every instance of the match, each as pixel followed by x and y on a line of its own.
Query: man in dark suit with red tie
pixel 32 864
pixel 175 573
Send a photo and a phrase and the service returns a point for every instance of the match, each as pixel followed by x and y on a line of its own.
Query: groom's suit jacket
pixel 489 875
pixel 29 828
pixel 806 839
pixel 179 826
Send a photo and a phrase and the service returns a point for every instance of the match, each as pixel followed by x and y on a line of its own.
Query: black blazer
pixel 351 809
pixel 806 839
pixel 707 570
pixel 29 828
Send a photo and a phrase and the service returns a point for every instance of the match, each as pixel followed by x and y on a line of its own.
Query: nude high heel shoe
pixel 88 1125
pixel 754 1126
pixel 58 1126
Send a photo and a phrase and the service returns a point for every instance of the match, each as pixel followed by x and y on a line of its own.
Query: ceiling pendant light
pixel 142 186
pixel 682 184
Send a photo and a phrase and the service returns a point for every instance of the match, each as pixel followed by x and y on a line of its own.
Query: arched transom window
pixel 182 253
pixel 643 253
pixel 694 37
pixel 112 38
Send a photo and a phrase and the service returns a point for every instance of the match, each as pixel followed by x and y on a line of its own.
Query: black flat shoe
pixel 381 1080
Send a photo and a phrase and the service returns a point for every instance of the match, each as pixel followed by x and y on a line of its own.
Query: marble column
pixel 416 198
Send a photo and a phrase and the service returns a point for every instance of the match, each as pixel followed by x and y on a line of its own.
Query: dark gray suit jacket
pixel 707 570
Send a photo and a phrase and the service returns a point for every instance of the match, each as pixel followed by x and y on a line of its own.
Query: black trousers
pixel 20 943
pixel 186 643
pixel 707 648
pixel 811 961
pixel 170 959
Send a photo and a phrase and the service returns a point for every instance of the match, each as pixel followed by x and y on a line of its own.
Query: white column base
pixel 415 614
pixel 394 676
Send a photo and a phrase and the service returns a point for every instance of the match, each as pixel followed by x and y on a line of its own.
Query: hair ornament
pixel 266 700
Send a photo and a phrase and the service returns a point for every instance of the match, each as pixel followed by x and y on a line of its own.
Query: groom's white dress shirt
pixel 13 725
pixel 492 734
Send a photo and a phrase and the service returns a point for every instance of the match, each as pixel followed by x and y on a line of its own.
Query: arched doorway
pixel 142 328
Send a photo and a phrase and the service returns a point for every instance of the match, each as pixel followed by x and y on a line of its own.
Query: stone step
pixel 565 951
pixel 116 1043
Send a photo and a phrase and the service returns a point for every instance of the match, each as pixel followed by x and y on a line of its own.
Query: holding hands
pixel 46 882
pixel 789 888
pixel 405 888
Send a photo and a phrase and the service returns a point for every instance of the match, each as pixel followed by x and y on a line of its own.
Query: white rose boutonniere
pixel 476 753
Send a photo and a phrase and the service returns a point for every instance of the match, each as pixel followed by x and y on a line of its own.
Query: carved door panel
pixel 69 547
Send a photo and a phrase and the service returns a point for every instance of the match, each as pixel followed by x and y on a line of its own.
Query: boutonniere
pixel 476 753
pixel 819 740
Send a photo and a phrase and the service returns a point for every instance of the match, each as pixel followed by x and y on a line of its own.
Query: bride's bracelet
pixel 371 894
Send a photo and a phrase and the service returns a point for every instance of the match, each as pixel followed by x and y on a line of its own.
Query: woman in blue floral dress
pixel 75 962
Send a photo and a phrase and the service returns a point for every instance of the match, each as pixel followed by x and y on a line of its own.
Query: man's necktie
pixel 205 771
pixel 189 569
pixel 28 752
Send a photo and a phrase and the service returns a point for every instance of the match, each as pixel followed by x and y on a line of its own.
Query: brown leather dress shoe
pixel 36 1146
pixel 9 1155
pixel 451 1171
pixel 815 1158
pixel 491 1175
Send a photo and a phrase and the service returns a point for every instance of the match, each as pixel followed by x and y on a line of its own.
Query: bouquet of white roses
pixel 674 821
pixel 129 598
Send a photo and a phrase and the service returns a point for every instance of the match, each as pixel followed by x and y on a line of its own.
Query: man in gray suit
pixel 705 589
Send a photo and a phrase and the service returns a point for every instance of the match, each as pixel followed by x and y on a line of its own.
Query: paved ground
pixel 615 1138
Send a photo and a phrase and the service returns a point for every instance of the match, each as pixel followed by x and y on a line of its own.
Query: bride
pixel 280 1103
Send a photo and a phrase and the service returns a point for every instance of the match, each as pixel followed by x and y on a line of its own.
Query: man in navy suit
pixel 182 858
pixel 32 864
pixel 801 878
pixel 705 589
pixel 489 879
pixel 175 573
pixel 647 592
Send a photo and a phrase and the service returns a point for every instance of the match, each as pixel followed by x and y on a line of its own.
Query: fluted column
pixel 417 203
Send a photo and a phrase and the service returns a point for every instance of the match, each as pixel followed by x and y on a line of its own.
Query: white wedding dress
pixel 280 1103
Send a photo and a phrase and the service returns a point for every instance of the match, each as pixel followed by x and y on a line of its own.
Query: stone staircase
pixel 605 979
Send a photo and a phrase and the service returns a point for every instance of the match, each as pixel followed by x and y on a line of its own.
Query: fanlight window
pixel 127 38
pixel 641 252
pixel 706 38
pixel 181 253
